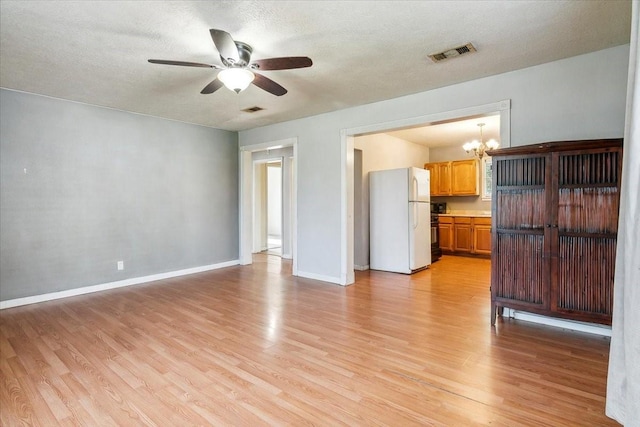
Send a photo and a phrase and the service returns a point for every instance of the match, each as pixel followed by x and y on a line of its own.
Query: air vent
pixel 253 109
pixel 452 53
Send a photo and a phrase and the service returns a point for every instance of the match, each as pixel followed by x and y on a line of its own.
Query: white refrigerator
pixel 400 220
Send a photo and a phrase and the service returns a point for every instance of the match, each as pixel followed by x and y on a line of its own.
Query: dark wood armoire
pixel 555 222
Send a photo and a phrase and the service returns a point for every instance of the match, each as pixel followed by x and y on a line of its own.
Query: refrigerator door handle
pixel 416 216
pixel 415 189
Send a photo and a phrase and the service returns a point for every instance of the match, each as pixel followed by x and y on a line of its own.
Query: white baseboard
pixel 592 328
pixel 112 285
pixel 287 256
pixel 361 267
pixel 321 277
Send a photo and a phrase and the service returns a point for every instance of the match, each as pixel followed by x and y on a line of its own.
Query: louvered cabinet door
pixel 520 246
pixel 587 224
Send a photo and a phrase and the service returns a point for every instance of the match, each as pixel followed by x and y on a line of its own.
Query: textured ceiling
pixel 96 52
pixel 452 133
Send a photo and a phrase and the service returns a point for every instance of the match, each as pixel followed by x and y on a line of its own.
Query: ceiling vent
pixel 452 53
pixel 253 109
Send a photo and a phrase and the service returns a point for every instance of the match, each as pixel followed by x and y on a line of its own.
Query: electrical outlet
pixel 120 265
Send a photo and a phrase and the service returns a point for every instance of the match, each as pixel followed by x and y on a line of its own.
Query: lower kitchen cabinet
pixel 463 235
pixel 482 236
pixel 445 227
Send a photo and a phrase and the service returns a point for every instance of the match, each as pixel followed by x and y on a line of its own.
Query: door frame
pixel 347 274
pixel 247 199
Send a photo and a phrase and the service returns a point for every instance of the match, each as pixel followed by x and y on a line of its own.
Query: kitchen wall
pixel 379 152
pixel 576 98
pixel 464 203
pixel 83 187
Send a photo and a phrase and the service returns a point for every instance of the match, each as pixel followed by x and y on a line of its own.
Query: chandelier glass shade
pixel 236 79
pixel 478 147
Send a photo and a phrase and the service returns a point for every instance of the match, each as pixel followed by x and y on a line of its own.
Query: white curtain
pixel 623 384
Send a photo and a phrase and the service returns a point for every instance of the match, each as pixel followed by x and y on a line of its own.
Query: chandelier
pixel 478 148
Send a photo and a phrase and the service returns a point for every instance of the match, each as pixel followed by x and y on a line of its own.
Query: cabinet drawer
pixel 482 221
pixel 463 220
pixel 445 219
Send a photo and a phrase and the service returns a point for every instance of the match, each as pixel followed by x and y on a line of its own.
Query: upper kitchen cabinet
pixel 464 178
pixel 455 178
pixel 440 176
pixel 434 177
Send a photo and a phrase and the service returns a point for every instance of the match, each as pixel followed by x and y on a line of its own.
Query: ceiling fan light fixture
pixel 236 79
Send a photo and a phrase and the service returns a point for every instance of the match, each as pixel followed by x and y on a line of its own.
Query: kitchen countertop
pixel 475 214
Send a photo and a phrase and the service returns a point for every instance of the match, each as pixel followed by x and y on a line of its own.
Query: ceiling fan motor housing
pixel 244 52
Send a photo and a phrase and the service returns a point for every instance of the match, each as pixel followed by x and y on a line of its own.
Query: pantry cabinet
pixel 555 212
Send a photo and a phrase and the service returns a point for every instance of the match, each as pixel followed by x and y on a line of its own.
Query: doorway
pixel 351 197
pixel 268 182
pixel 414 147
pixel 268 207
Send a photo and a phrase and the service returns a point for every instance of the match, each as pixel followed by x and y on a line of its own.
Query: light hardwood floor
pixel 255 346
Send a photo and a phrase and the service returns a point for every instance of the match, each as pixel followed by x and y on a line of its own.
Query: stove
pixel 436 252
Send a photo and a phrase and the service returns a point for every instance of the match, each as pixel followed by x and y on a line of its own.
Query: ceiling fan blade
pixel 225 45
pixel 285 63
pixel 269 85
pixel 183 63
pixel 212 87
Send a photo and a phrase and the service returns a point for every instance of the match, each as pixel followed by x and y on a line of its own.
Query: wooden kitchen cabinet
pixel 464 235
pixel 455 178
pixel 464 178
pixel 440 176
pixel 434 177
pixel 444 178
pixel 555 211
pixel 482 236
pixel 445 227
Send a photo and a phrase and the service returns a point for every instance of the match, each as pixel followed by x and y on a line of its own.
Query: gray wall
pixel 102 186
pixel 576 98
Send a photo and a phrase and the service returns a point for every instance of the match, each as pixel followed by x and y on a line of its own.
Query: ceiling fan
pixel 239 71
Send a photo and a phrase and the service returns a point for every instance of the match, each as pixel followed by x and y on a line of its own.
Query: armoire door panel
pixel 521 262
pixel 585 274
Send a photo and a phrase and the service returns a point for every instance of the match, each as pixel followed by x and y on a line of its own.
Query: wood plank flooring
pixel 255 346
